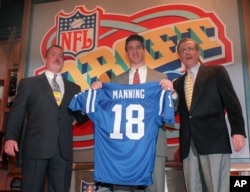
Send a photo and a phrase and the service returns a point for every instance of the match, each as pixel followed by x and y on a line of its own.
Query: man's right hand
pixel 96 85
pixel 11 147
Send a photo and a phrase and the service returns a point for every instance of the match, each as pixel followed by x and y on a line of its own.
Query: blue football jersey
pixel 126 119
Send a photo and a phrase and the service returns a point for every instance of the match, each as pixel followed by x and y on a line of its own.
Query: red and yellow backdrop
pixel 93 34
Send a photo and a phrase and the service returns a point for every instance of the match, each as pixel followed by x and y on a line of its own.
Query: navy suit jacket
pixel 47 125
pixel 213 94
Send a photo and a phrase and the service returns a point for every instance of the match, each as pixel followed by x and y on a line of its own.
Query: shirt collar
pixel 195 69
pixel 50 75
pixel 142 68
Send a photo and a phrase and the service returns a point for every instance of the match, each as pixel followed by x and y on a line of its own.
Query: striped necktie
pixel 56 90
pixel 136 79
pixel 189 89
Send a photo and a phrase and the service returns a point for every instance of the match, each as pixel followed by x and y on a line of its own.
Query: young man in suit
pixel 135 50
pixel 204 139
pixel 46 146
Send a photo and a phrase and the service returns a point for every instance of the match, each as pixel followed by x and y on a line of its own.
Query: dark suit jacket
pixel 152 75
pixel 205 123
pixel 48 126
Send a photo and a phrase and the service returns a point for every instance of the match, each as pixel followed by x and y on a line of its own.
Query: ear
pixel 45 61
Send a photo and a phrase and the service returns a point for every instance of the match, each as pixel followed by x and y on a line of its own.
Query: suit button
pixel 190 117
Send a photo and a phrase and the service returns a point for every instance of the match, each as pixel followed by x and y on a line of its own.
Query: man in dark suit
pixel 134 47
pixel 204 139
pixel 46 147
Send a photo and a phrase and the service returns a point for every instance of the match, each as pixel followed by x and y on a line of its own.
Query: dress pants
pixel 57 170
pixel 159 178
pixel 206 173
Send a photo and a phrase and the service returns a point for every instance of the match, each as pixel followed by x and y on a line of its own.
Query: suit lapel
pixel 150 75
pixel 200 82
pixel 66 90
pixel 181 85
pixel 47 88
pixel 123 78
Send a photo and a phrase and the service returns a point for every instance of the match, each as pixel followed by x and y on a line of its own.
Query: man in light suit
pixel 204 139
pixel 46 147
pixel 135 50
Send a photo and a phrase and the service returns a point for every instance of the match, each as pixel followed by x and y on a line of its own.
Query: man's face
pixel 135 53
pixel 189 56
pixel 54 60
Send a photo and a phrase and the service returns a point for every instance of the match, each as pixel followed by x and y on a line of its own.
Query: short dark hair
pixel 196 46
pixel 58 46
pixel 134 37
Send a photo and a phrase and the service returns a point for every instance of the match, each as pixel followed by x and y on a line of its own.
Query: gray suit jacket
pixel 152 75
pixel 48 126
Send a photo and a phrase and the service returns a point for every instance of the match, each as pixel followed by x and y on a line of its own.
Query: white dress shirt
pixel 59 80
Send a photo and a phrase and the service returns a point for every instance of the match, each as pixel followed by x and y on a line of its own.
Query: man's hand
pixel 11 147
pixel 96 85
pixel 167 85
pixel 238 142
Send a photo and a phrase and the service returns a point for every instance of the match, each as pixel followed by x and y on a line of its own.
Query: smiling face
pixel 189 53
pixel 54 59
pixel 135 53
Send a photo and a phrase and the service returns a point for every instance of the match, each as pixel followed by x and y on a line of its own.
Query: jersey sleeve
pixel 168 109
pixel 76 104
pixel 84 102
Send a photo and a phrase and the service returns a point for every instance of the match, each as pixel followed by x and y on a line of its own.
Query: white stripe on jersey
pixel 93 101
pixel 161 102
pixel 88 101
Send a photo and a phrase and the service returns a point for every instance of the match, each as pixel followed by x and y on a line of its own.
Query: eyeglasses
pixel 188 50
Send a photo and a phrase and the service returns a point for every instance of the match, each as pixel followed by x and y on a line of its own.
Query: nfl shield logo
pixel 77 32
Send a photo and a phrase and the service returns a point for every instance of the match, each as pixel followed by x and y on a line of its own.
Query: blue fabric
pixel 126 119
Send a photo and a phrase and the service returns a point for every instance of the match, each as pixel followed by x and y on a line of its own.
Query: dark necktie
pixel 136 79
pixel 56 90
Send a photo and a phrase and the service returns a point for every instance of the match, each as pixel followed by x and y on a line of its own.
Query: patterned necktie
pixel 56 90
pixel 136 77
pixel 189 89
